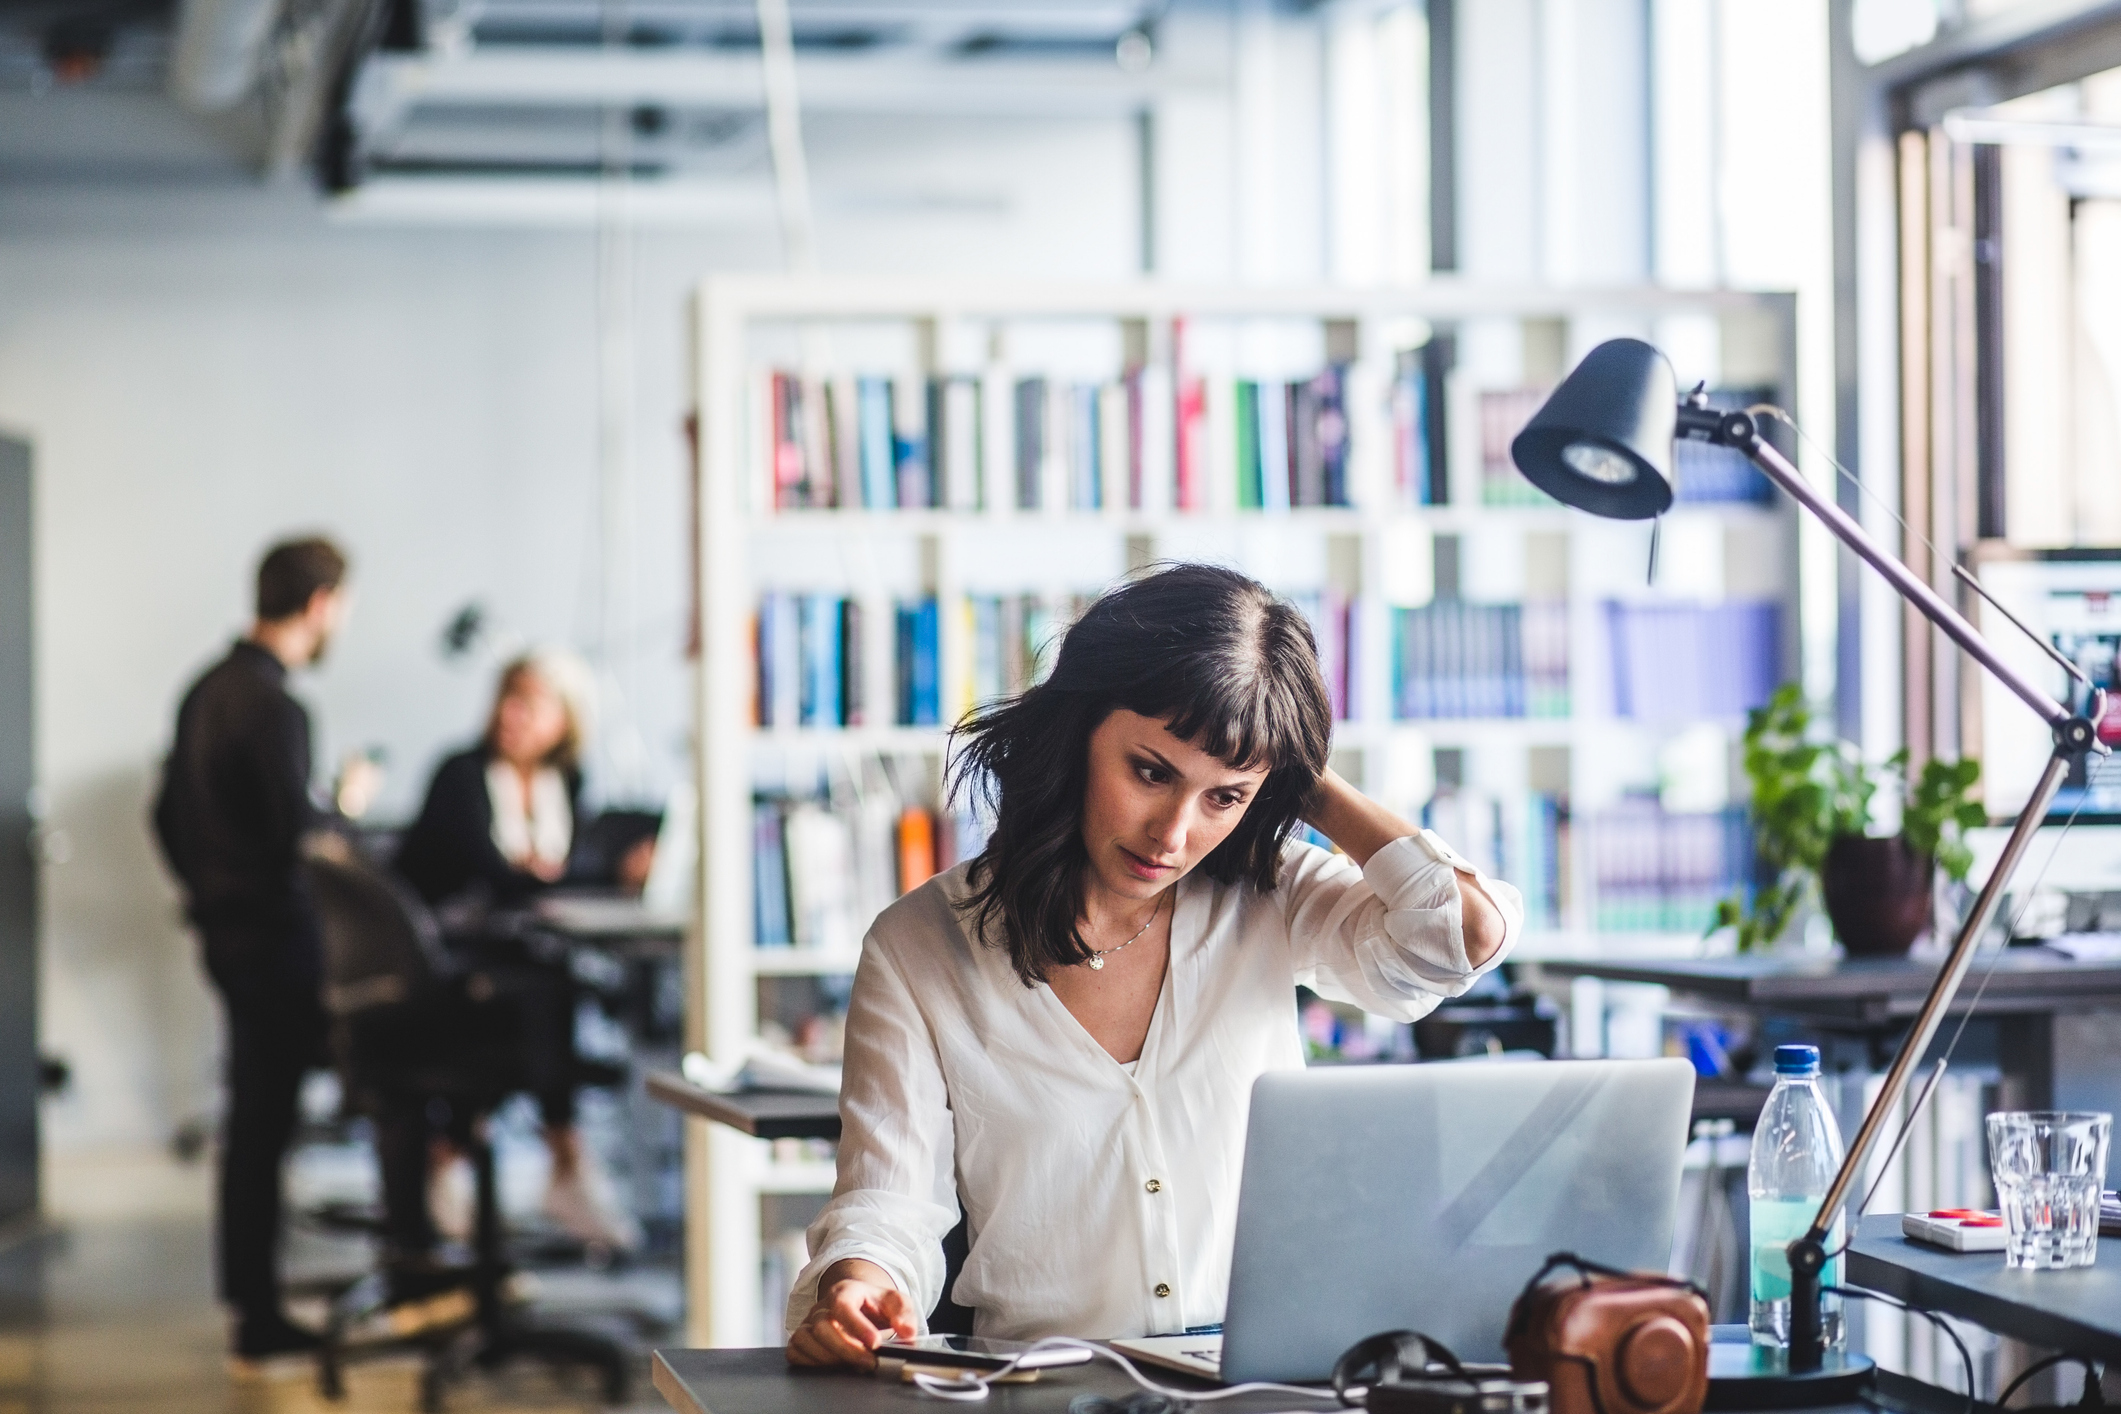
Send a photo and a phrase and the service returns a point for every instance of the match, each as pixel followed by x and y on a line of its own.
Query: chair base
pixel 437 1313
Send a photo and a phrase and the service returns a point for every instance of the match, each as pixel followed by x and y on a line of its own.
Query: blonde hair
pixel 569 679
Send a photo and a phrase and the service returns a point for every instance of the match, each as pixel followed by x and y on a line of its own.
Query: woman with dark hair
pixel 1061 1034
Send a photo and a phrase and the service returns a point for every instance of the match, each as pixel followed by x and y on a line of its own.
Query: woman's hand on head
pixel 857 1309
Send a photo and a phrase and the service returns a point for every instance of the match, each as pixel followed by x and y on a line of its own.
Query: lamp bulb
pixel 1601 464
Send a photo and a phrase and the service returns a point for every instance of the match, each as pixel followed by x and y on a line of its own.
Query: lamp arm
pixel 1737 429
pixel 2073 734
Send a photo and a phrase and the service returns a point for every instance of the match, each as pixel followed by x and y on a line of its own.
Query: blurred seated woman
pixel 499 827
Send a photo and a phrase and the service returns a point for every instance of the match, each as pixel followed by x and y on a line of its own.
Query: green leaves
pixel 1807 792
pixel 1938 812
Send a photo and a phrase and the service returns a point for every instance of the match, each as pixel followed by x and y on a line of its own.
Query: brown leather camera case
pixel 1613 1344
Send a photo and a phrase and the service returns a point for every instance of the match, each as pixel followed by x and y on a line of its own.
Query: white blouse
pixel 1103 1203
pixel 542 828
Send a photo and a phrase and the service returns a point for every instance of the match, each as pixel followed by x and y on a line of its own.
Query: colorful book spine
pixel 1275 433
pixel 911 472
pixel 1456 659
pixel 780 661
pixel 1332 619
pixel 1503 414
pixel 1144 441
pixel 1410 450
pixel 808 661
pixel 818 624
pixel 1326 427
pixel 1245 408
pixel 825 864
pixel 1083 447
pixel 1661 871
pixel 878 455
pixel 1682 663
pixel 1030 443
pixel 1190 442
pixel 769 881
pixel 919 664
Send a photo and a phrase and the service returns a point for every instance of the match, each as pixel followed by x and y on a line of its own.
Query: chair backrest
pixel 382 946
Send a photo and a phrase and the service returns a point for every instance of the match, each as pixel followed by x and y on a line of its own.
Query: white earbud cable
pixel 974 1385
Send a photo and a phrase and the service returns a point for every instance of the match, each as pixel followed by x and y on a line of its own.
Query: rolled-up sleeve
pixel 1389 937
pixel 896 1195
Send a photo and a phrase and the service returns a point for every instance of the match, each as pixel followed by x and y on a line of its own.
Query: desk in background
pixel 763 1114
pixel 2058 1021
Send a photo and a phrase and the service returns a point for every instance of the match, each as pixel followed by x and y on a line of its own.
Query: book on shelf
pixel 1331 615
pixel 1503 414
pixel 956 421
pixel 1010 641
pixel 809 666
pixel 1453 658
pixel 826 862
pixel 919 665
pixel 1655 870
pixel 1693 662
pixel 1140 441
pixel 878 454
pixel 1420 425
pixel 808 658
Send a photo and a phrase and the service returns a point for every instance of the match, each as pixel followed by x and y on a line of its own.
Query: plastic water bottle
pixel 1796 1152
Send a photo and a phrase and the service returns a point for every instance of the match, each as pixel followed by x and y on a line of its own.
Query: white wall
pixel 203 366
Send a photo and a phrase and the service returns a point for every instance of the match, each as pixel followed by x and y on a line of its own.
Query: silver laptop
pixel 1424 1197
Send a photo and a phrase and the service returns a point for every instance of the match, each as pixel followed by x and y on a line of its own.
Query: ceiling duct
pixel 214 59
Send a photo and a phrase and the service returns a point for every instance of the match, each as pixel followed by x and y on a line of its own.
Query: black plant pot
pixel 1877 893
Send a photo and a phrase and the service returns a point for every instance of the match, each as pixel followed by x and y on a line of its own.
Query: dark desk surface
pixel 2078 1311
pixel 1867 989
pixel 768 1114
pixel 760 1382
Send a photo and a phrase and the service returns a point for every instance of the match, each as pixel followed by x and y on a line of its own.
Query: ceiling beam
pixel 391 86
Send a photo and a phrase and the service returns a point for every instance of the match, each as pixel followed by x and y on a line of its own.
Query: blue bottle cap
pixel 1796 1060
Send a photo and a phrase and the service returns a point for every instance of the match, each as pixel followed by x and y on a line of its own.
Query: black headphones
pixel 1392 1358
pixel 1401 1372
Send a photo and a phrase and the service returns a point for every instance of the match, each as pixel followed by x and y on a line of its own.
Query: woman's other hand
pixel 636 864
pixel 1361 827
pixel 857 1310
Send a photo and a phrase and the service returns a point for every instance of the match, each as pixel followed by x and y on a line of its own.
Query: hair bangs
pixel 1207 651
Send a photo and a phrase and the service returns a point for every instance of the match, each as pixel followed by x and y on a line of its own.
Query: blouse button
pixel 1163 1288
pixel 1154 1185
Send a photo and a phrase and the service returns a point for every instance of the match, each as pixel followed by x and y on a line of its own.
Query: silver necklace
pixel 1098 955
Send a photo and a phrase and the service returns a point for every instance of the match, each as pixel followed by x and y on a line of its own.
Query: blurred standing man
pixel 235 804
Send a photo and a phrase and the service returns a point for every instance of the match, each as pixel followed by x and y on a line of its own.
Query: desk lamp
pixel 1603 444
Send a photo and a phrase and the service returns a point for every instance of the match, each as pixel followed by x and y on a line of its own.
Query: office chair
pixel 415 1037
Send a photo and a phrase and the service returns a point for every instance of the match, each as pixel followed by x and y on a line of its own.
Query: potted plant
pixel 1811 813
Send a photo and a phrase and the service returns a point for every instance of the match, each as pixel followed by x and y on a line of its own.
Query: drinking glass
pixel 2049 1166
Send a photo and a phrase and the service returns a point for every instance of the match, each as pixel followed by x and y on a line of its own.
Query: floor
pixel 108 1307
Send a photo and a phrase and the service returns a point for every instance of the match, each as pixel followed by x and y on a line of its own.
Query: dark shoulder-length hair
pixel 1224 663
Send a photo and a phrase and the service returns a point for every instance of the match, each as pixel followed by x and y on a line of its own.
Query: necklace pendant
pixel 1097 964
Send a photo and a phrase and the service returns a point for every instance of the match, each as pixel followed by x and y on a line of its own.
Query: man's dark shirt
pixel 235 793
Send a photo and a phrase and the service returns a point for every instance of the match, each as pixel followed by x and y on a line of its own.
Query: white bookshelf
pixel 993 330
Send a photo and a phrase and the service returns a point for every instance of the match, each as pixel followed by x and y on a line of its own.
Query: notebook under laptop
pixel 1423 1197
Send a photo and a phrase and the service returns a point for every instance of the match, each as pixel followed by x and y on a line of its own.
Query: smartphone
pixel 973 1352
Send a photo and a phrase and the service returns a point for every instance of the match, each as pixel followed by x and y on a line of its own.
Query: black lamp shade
pixel 1603 442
